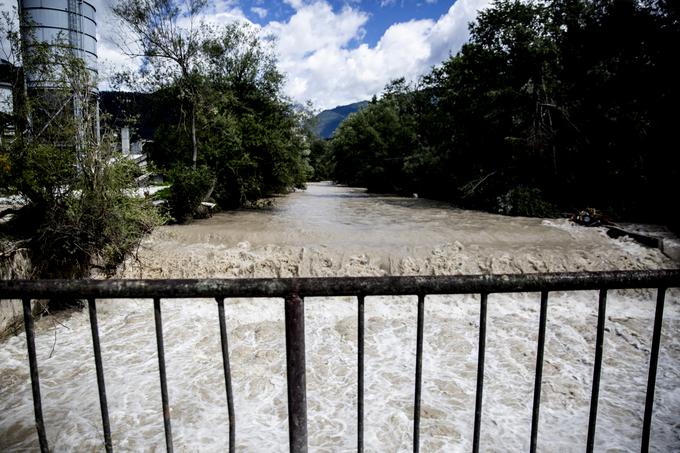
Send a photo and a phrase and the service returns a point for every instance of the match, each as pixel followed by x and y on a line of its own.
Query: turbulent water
pixel 325 231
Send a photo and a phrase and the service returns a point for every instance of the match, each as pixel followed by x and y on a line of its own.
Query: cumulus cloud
pixel 316 28
pixel 295 4
pixel 261 12
pixel 322 65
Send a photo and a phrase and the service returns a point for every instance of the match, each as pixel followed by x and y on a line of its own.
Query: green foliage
pixel 524 201
pixel 189 188
pixel 371 145
pixel 86 220
pixel 248 135
pixel 78 211
pixel 573 98
pixel 320 159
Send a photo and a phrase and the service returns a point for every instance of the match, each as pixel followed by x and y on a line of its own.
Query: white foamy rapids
pixel 257 345
pixel 234 246
pixel 166 256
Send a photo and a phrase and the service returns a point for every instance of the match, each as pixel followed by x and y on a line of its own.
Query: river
pixel 332 231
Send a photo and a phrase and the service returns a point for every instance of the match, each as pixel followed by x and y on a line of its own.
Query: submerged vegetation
pixel 566 103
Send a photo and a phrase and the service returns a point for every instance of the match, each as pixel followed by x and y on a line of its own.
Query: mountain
pixel 329 120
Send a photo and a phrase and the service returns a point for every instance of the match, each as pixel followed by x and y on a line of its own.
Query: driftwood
pixel 469 188
pixel 617 232
pixel 593 218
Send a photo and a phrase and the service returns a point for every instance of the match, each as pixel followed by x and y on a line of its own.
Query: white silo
pixel 62 23
pixel 59 22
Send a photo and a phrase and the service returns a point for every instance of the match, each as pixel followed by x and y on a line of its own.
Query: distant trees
pixel 568 101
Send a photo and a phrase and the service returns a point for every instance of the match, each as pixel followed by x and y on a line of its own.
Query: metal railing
pixel 294 290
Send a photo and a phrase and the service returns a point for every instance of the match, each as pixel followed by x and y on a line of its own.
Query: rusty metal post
pixel 101 386
pixel 295 367
pixel 480 372
pixel 227 374
pixel 538 376
pixel 419 373
pixel 35 380
pixel 597 370
pixel 360 395
pixel 161 372
pixel 653 363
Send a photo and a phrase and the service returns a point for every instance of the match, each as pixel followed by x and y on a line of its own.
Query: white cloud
pixel 261 12
pixel 321 65
pixel 317 47
pixel 316 27
pixel 295 4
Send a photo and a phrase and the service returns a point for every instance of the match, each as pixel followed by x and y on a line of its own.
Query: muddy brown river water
pixel 333 231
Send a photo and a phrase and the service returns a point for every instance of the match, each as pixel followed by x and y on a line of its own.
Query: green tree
pixel 77 212
pixel 570 101
pixel 168 35
pixel 250 137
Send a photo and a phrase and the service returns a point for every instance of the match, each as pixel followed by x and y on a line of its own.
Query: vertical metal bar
pixel 35 380
pixel 161 371
pixel 653 362
pixel 601 314
pixel 419 373
pixel 360 397
pixel 101 386
pixel 480 371
pixel 295 367
pixel 227 375
pixel 539 370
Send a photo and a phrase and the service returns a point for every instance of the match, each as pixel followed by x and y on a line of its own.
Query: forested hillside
pixel 327 121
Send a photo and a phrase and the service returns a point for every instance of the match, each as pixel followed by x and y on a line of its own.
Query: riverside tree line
pixel 550 105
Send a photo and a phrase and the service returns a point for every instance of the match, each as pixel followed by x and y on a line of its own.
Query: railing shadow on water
pixel 294 291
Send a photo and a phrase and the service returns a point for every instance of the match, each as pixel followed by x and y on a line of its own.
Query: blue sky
pixel 332 52
pixel 381 13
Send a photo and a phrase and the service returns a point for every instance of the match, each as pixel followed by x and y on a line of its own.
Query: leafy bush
pixel 555 95
pixel 524 201
pixel 86 220
pixel 189 188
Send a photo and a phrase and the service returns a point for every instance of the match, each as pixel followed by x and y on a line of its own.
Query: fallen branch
pixel 470 190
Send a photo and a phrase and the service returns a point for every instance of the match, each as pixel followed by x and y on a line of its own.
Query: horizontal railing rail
pixel 294 290
pixel 338 286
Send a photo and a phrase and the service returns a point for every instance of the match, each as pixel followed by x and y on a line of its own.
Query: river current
pixel 336 231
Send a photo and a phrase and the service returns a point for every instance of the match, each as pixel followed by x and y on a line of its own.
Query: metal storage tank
pixel 61 21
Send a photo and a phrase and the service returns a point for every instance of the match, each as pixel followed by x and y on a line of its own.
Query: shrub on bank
pixel 190 186
pixel 524 201
pixel 78 214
